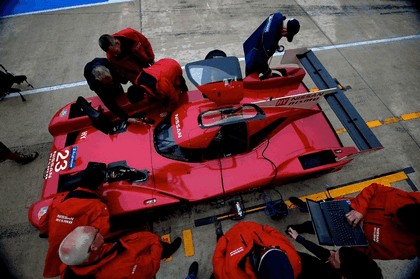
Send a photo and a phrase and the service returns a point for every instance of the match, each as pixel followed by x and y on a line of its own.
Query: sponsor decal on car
pixel 73 157
pixel 60 160
pixel 178 126
pixel 42 212
pixel 83 135
pixel 63 113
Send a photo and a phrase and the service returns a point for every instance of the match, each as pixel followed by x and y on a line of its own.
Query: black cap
pixel 275 265
pixel 292 28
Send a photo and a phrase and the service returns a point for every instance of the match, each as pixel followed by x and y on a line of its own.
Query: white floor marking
pixel 355 44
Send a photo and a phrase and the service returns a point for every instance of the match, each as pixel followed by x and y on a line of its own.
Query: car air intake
pixel 317 159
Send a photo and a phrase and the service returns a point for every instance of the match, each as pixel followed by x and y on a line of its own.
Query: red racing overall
pixel 139 55
pixel 136 255
pixel 168 75
pixel 238 243
pixel 386 236
pixel 64 215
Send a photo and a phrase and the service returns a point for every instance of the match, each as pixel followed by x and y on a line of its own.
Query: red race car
pixel 231 135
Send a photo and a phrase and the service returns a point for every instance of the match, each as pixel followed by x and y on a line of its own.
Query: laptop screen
pixel 318 221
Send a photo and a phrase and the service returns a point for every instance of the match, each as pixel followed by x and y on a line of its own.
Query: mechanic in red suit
pixel 69 210
pixel 251 250
pixel 136 255
pixel 388 216
pixel 389 221
pixel 129 51
pixel 162 82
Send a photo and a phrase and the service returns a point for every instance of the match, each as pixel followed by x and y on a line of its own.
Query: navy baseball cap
pixel 275 265
pixel 292 28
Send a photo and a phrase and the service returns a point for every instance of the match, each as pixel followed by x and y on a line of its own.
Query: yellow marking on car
pixel 166 238
pixel 353 188
pixel 188 243
pixel 386 121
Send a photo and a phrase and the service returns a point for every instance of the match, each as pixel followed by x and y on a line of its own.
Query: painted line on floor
pixel 188 242
pixel 23 8
pixel 48 89
pixel 386 121
pixel 355 44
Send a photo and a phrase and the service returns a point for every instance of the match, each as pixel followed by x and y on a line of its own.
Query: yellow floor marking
pixel 354 188
pixel 166 238
pixel 410 116
pixel 188 243
pixel 374 123
pixel 391 120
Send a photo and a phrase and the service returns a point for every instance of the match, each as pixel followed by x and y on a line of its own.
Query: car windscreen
pixel 213 70
pixel 230 140
pixel 166 146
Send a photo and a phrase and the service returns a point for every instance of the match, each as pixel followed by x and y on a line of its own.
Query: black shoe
pixel 305 227
pixel 169 249
pixel 219 230
pixel 13 90
pixel 19 79
pixel 193 270
pixel 299 203
pixel 25 159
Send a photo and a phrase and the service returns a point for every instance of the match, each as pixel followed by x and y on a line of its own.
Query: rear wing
pixel 356 127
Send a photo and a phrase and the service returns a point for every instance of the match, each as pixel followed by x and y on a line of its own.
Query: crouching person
pixel 105 81
pixel 69 210
pixel 162 82
pixel 136 255
pixel 250 250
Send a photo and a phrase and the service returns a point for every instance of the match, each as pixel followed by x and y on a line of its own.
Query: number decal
pixel 61 161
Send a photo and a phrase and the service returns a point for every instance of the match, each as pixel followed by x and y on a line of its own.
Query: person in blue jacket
pixel 264 42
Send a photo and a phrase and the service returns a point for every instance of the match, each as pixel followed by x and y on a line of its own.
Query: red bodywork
pixel 272 149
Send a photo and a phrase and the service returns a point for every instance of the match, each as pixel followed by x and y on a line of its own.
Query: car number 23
pixel 61 161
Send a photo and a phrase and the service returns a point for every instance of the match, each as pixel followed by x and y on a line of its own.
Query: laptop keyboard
pixel 342 232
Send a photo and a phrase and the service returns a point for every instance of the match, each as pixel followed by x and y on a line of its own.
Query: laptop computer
pixel 331 226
